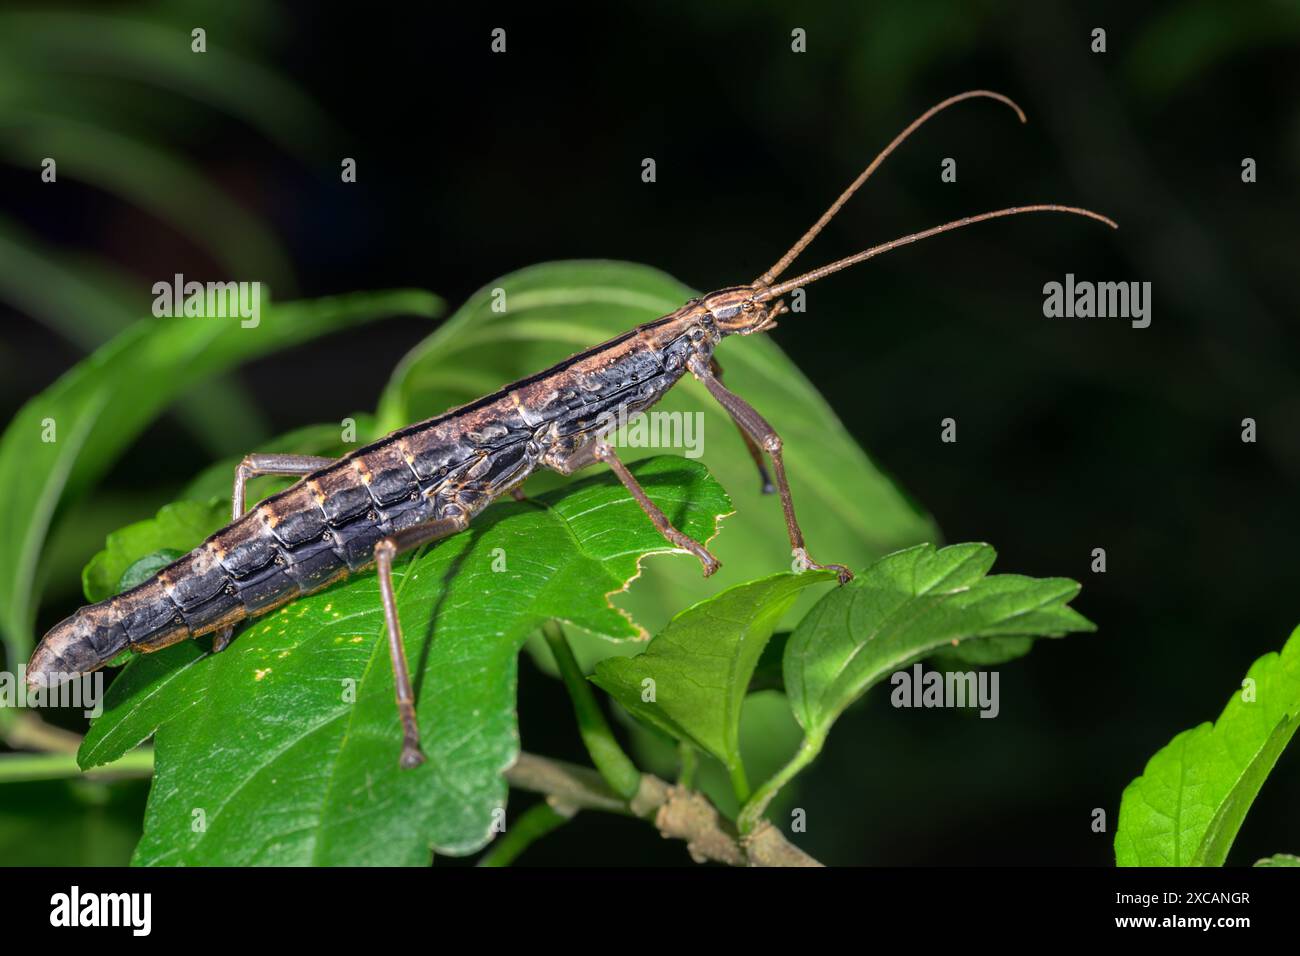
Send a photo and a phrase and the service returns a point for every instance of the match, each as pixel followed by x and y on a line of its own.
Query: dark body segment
pixel 326 526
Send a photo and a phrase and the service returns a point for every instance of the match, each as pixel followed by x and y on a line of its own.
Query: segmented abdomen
pixel 323 528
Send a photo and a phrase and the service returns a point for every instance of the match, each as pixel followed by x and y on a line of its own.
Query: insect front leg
pixel 755 452
pixel 254 466
pixel 754 425
pixel 601 450
pixel 385 550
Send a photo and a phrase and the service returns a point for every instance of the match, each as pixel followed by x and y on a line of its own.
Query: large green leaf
pixel 284 770
pixel 851 513
pixel 1189 803
pixel 104 402
pixel 701 664
pixel 904 608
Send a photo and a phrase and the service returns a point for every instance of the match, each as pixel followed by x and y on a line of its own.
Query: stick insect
pixel 429 480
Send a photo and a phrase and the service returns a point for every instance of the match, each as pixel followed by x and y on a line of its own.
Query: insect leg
pixel 755 452
pixel 255 465
pixel 385 550
pixel 601 450
pixel 754 425
pixel 251 467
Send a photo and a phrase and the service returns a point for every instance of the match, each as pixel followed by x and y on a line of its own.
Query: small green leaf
pixel 700 665
pixel 142 570
pixel 904 608
pixel 265 739
pixel 177 528
pixel 97 409
pixel 1189 803
pixel 1279 859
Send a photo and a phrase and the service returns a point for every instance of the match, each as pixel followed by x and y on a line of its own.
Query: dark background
pixel 1072 434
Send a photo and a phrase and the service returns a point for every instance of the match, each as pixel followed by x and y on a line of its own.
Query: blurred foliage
pixel 115 99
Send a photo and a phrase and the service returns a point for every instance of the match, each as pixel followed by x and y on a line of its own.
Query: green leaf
pixel 904 608
pixel 701 665
pixel 178 527
pixel 1189 803
pixel 850 511
pixel 104 402
pixel 1279 859
pixel 142 570
pixel 263 741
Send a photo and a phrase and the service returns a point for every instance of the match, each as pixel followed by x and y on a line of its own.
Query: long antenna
pixel 808 277
pixel 770 276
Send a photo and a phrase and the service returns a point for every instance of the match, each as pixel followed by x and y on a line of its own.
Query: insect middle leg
pixel 756 426
pixel 385 550
pixel 254 466
pixel 601 450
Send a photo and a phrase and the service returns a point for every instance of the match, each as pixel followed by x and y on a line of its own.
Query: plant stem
pixel 739 782
pixel 27 767
pixel 29 732
pixel 531 826
pixel 676 813
pixel 614 765
pixel 751 814
pixel 690 762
